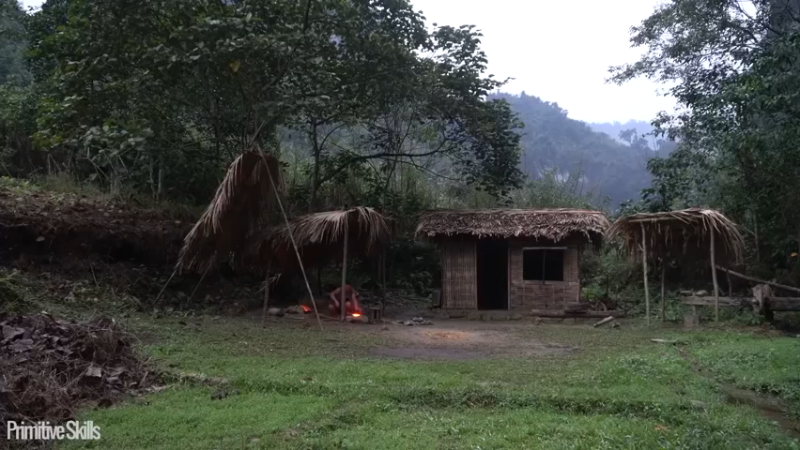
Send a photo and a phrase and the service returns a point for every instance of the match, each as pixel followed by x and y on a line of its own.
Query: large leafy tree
pixel 734 72
pixel 137 89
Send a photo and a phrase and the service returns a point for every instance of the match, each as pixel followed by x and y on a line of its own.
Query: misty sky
pixel 559 51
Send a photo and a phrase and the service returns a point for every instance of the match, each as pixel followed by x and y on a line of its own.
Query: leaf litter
pixel 49 368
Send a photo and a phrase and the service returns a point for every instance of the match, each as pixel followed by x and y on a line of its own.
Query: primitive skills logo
pixel 44 431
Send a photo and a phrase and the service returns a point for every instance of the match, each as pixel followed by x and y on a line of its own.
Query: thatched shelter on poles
pixel 359 231
pixel 515 259
pixel 687 235
pixel 321 236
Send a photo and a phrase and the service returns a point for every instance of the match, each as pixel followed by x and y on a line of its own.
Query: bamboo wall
pixel 460 278
pixel 459 275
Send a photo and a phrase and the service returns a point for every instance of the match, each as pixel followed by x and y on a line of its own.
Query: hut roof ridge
pixel 551 223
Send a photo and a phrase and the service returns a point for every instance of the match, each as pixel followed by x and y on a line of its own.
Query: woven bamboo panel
pixel 459 276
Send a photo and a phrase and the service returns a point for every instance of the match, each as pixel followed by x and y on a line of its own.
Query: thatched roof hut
pixel 320 237
pixel 519 259
pixel 683 235
pixel 542 224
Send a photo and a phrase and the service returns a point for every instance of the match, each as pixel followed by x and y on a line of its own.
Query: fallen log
pixel 549 313
pixel 723 301
pixel 604 321
pixel 756 280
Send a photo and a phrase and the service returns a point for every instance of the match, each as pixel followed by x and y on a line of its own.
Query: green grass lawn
pixel 291 387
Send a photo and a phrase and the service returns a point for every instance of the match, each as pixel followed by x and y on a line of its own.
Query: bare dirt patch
pixel 429 353
pixel 461 340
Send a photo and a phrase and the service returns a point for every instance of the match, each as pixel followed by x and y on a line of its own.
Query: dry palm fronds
pixel 549 224
pixel 240 206
pixel 683 233
pixel 320 235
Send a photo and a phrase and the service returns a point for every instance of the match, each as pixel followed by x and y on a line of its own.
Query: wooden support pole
pixel 291 237
pixel 383 280
pixel 202 277
pixel 161 292
pixel 730 285
pixel 266 292
pixel 714 276
pixel 663 289
pixel 644 266
pixel 344 272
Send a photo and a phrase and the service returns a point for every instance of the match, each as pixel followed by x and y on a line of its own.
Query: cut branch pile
pixel 49 368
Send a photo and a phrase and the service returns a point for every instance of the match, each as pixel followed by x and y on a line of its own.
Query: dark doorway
pixel 492 274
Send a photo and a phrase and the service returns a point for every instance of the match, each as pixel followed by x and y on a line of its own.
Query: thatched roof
pixel 240 207
pixel 680 234
pixel 545 224
pixel 320 236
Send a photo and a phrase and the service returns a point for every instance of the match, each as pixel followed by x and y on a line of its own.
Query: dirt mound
pixel 49 367
pixel 44 223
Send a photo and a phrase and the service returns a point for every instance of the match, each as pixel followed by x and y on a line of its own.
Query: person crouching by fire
pixel 352 305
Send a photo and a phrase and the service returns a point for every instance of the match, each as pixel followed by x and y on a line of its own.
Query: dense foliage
pixel 734 72
pixel 176 88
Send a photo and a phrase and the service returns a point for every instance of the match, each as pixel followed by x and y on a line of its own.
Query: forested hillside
pixel 615 129
pixel 551 141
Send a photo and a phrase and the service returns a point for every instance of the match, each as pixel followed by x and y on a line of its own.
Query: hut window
pixel 543 265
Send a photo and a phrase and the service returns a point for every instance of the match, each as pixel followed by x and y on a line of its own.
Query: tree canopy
pixel 734 74
pixel 139 92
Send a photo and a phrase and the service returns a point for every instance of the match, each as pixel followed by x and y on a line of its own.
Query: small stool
pixel 374 314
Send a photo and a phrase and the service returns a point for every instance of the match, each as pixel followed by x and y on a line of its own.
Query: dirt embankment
pixel 46 226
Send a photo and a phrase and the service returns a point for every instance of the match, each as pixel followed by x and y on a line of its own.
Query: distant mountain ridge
pixel 614 129
pixel 608 164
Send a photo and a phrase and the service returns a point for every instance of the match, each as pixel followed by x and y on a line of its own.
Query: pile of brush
pixel 49 368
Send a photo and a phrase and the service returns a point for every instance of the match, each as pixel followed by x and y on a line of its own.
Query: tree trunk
pixel 317 151
pixel 714 276
pixel 663 290
pixel 644 267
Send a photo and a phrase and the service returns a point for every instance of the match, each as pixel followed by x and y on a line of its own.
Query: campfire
pixel 355 318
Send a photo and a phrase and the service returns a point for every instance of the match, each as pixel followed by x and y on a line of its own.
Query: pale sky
pixel 558 50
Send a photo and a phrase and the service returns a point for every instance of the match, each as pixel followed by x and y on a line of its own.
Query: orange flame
pixel 305 308
pixel 356 314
